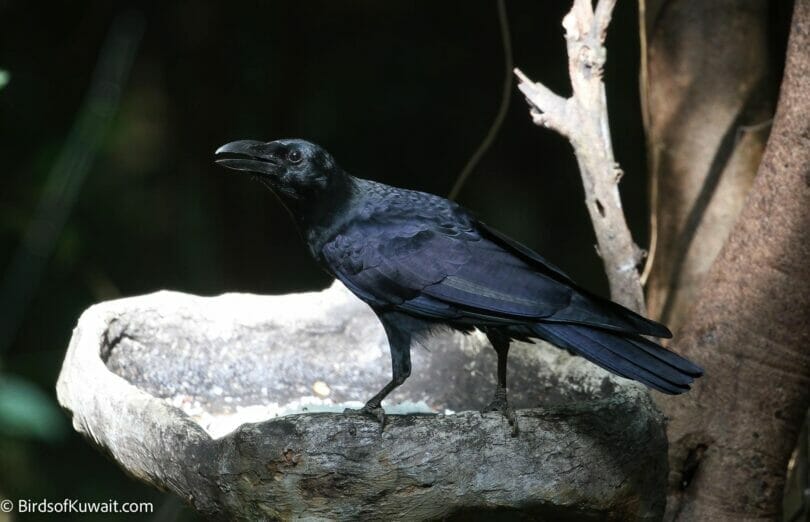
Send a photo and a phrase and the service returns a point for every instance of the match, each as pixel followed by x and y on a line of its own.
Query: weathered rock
pixel 199 396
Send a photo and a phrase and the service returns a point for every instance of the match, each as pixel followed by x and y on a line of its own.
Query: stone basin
pixel 235 404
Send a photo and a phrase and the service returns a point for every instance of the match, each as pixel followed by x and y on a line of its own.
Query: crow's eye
pixel 294 156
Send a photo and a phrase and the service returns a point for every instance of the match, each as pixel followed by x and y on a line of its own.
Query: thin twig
pixel 653 160
pixel 652 250
pixel 506 96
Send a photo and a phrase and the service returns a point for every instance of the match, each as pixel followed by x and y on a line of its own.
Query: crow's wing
pixel 585 307
pixel 440 271
pixel 453 271
pixel 527 254
pixel 448 272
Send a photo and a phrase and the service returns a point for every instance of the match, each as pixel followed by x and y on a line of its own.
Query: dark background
pixel 400 92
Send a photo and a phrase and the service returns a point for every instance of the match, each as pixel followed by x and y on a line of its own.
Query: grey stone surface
pixel 217 400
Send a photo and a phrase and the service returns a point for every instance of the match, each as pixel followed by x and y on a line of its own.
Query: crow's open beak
pixel 247 156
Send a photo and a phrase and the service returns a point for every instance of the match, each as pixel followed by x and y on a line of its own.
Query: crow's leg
pixel 399 342
pixel 500 402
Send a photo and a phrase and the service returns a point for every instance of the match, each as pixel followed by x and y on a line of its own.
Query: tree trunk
pixel 708 93
pixel 731 438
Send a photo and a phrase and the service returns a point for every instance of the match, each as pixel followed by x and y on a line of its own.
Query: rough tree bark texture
pixel 732 436
pixel 708 94
pixel 583 119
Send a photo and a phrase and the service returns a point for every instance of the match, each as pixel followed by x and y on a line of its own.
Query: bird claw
pixel 501 404
pixel 375 412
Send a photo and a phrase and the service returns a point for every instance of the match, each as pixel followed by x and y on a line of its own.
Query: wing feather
pixel 443 275
pixel 460 270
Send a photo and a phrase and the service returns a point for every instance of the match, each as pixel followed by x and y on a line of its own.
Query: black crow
pixel 422 261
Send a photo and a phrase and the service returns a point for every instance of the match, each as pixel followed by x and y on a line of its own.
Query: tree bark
pixel 708 94
pixel 731 437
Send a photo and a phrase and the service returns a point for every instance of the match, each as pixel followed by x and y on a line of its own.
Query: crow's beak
pixel 248 156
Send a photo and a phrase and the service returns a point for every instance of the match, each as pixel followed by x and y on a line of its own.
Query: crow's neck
pixel 320 216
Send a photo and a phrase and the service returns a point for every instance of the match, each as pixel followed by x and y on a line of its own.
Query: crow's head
pixel 294 169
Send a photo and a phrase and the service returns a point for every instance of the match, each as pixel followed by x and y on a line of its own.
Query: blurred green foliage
pixel 28 412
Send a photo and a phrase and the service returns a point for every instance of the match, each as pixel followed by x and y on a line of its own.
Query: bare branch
pixel 549 109
pixel 583 120
pixel 604 11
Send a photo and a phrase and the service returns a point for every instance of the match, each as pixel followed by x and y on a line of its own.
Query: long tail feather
pixel 627 355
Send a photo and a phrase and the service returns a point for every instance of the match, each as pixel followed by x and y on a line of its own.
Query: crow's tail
pixel 628 355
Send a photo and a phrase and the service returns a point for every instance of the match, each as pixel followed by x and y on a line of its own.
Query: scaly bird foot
pixel 501 403
pixel 375 412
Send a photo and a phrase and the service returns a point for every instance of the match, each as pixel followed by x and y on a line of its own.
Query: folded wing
pixel 459 271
